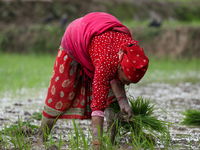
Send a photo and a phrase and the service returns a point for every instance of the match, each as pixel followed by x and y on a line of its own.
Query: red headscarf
pixel 133 61
pixel 79 33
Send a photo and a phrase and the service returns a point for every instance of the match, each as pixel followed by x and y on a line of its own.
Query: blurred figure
pixel 155 23
pixel 49 18
pixel 63 20
pixel 155 20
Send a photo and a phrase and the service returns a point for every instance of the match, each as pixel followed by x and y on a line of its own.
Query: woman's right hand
pixel 118 89
pixel 125 107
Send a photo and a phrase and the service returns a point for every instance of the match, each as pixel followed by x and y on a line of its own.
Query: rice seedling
pixel 21 128
pixel 75 139
pixel 51 144
pixel 3 140
pixel 37 115
pixel 18 134
pixel 60 142
pixel 85 141
pixel 143 112
pixel 140 122
pixel 192 117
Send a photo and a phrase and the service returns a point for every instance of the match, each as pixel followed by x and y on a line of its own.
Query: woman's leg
pixel 109 114
pixel 67 94
pixel 45 128
pixel 97 131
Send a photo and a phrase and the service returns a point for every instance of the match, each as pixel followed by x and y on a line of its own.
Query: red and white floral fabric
pixel 71 95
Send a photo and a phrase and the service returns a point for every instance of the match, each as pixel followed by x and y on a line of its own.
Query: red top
pixel 103 51
pixel 80 32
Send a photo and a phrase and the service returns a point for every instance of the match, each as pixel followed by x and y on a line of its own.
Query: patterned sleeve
pixel 101 86
pixel 103 51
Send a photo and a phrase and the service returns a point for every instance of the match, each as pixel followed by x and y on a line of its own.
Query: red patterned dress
pixel 71 93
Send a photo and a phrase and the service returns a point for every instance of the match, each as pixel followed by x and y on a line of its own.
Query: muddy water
pixel 174 99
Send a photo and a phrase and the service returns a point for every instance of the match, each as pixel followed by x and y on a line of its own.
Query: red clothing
pixel 80 32
pixel 68 94
pixel 71 95
pixel 103 51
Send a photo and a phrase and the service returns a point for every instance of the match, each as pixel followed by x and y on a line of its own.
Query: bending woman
pixel 97 57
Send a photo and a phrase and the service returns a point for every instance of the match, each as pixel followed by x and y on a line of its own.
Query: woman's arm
pixel 119 91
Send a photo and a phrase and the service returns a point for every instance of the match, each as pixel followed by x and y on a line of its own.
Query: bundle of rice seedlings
pixel 192 117
pixel 142 119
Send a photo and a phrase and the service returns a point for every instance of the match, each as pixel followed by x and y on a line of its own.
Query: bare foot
pixel 45 128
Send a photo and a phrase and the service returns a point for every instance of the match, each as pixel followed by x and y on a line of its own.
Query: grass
pixel 25 71
pixel 192 117
pixel 17 135
pixel 172 71
pixel 34 71
pixel 37 116
pixel 75 138
pixel 14 137
pixel 131 24
pixel 143 119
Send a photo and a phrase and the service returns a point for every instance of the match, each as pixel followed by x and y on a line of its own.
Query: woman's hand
pixel 118 89
pixel 125 107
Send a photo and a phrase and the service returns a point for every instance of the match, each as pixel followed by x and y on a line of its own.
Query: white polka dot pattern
pixel 103 51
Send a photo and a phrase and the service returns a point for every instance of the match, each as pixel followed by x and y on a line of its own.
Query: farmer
pixel 97 57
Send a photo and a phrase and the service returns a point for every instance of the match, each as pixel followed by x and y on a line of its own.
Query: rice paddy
pixel 172 86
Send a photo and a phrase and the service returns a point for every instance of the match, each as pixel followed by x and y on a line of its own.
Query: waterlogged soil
pixel 173 99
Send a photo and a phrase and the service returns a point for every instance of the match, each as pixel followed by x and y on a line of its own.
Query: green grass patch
pixel 34 71
pixel 142 119
pixel 25 71
pixel 173 71
pixel 131 24
pixel 35 39
pixel 192 117
pixel 37 115
pixel 18 136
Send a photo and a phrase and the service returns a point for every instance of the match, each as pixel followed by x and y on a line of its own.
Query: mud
pixel 174 100
pixel 170 98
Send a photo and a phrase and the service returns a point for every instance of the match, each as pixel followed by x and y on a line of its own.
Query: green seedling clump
pixel 37 115
pixel 142 119
pixel 20 128
pixel 17 134
pixel 192 117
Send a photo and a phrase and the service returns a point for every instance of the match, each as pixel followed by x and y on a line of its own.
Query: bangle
pixel 96 142
pixel 119 98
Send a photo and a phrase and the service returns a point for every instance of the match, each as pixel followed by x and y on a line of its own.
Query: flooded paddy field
pixel 173 99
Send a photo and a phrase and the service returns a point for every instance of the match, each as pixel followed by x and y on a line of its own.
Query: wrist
pixel 122 101
pixel 120 98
